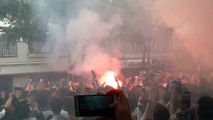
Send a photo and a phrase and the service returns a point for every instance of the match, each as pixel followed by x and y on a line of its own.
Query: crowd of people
pixel 148 96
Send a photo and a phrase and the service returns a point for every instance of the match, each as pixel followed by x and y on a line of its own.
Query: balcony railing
pixel 8 49
pixel 38 47
pixel 125 47
pixel 131 47
pixel 138 48
pixel 128 48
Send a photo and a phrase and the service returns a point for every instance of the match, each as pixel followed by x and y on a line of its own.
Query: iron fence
pixel 38 47
pixel 8 49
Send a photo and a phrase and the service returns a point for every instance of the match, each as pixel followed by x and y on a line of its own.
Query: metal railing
pixel 125 47
pixel 128 48
pixel 138 48
pixel 8 49
pixel 38 47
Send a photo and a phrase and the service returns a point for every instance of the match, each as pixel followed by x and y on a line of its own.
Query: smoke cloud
pixel 77 28
pixel 191 21
pixel 85 34
pixel 89 24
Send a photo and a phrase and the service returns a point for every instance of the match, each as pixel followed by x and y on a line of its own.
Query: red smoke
pixel 192 22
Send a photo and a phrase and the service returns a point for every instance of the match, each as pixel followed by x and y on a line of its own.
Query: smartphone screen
pixel 93 105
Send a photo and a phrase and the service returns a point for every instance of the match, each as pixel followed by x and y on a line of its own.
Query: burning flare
pixel 109 79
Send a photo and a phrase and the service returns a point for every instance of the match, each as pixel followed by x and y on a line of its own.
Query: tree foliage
pixel 26 18
pixel 30 19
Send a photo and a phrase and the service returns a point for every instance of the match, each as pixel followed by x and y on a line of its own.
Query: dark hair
pixel 42 99
pixel 160 112
pixel 22 109
pixel 205 108
pixel 55 104
pixel 33 94
pixel 22 92
pixel 68 104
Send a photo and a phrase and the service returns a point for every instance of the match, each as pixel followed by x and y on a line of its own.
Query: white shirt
pixel 2 113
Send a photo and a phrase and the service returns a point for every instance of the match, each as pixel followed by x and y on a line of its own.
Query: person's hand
pixel 121 106
pixel 8 103
pixel 11 95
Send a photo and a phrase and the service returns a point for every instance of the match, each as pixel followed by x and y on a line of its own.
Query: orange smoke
pixel 109 79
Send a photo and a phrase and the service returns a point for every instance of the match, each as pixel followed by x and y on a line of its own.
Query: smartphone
pixel 94 105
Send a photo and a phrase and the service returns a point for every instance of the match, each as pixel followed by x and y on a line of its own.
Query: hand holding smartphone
pixel 94 105
pixel 114 104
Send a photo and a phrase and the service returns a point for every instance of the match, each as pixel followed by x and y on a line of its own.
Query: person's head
pixel 42 99
pixel 22 109
pixel 19 92
pixel 68 104
pixel 205 108
pixel 160 112
pixel 56 105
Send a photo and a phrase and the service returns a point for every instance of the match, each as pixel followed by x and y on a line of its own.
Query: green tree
pixel 23 22
pixel 30 19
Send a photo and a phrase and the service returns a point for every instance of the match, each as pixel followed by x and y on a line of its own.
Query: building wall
pixel 25 62
pixel 16 70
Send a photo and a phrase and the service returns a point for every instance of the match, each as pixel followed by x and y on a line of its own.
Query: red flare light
pixel 109 79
